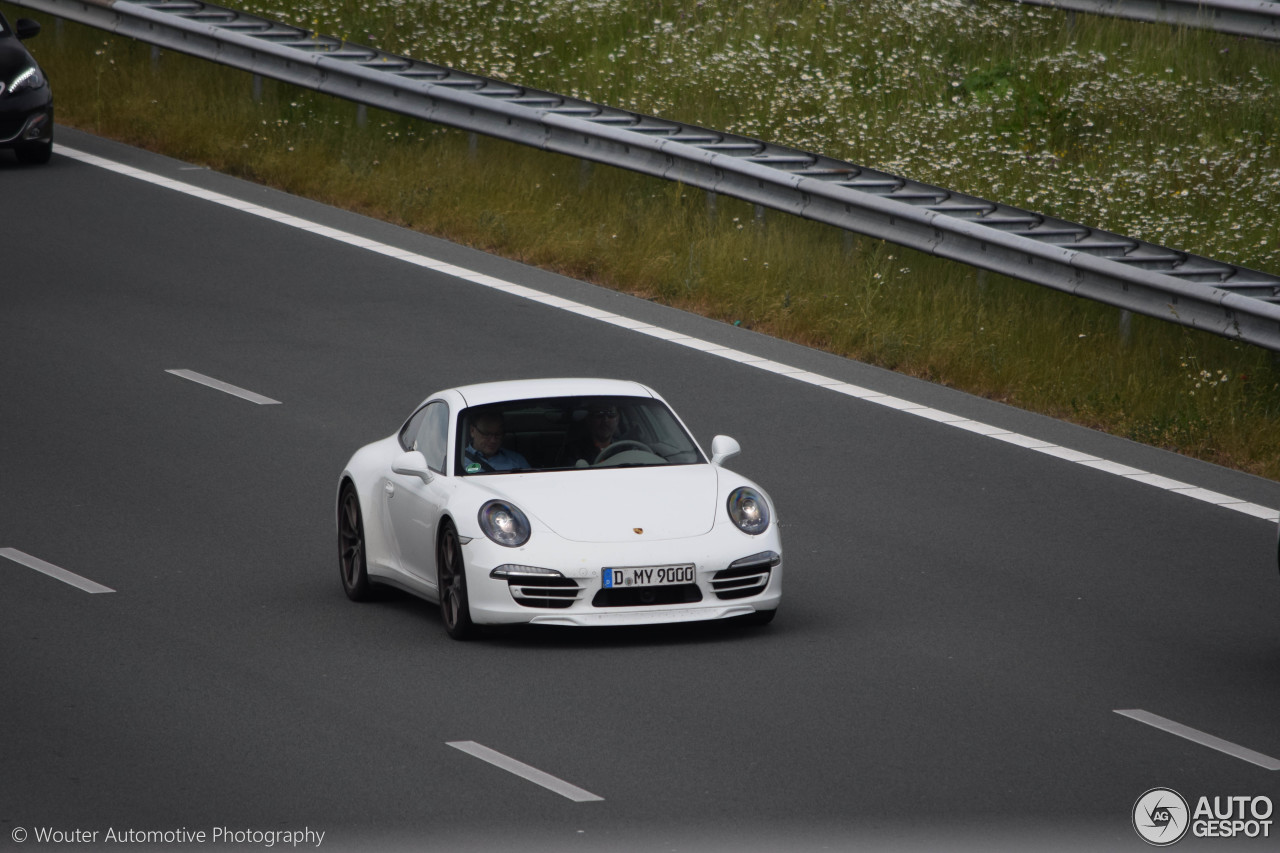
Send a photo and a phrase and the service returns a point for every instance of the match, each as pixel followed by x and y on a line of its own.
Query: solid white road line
pixel 53 571
pixel 225 387
pixel 867 395
pixel 524 771
pixel 1196 736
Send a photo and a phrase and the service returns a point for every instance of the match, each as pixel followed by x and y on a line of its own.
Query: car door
pixel 413 506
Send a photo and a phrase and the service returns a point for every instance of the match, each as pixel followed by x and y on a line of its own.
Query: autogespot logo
pixel 1160 816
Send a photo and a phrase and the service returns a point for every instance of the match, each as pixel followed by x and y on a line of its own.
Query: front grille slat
pixel 544 592
pixel 729 584
pixel 746 577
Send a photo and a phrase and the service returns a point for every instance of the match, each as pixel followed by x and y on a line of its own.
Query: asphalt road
pixel 963 616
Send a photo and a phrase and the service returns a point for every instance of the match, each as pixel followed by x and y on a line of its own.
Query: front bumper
pixel 578 597
pixel 35 127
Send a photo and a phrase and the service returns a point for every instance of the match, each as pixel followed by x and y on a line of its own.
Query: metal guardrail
pixel 1251 18
pixel 1130 274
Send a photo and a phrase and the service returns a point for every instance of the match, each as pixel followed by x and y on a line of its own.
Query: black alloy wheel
pixel 455 609
pixel 351 551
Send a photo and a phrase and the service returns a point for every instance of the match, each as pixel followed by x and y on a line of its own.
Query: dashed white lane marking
pixel 524 771
pixel 1196 736
pixel 225 387
pixel 906 406
pixel 53 571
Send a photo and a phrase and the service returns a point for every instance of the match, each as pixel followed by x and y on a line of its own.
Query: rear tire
pixel 455 606
pixel 352 557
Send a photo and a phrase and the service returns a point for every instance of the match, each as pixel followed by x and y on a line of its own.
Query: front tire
pixel 352 556
pixel 455 607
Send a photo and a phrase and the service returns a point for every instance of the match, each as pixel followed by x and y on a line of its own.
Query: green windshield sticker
pixel 473 467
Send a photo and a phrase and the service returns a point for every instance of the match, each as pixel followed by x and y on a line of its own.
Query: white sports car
pixel 557 502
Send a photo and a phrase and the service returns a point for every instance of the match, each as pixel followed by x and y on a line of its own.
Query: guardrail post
pixel 711 207
pixel 362 115
pixel 1126 326
pixel 155 57
pixel 257 88
pixel 760 215
pixel 584 174
pixel 473 145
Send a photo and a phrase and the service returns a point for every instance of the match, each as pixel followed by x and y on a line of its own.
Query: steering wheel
pixel 619 446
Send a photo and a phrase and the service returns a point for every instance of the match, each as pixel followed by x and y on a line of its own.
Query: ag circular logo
pixel 1161 817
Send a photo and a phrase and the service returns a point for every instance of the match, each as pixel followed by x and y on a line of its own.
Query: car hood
pixel 616 504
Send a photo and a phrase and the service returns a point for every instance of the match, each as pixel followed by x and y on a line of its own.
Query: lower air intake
pixel 645 596
pixel 548 592
pixel 746 577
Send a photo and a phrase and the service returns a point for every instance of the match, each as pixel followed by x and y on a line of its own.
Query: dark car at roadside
pixel 26 101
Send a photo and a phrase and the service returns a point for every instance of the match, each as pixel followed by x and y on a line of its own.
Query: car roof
pixel 527 389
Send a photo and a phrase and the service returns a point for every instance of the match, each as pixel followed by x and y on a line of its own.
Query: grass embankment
pixel 1172 138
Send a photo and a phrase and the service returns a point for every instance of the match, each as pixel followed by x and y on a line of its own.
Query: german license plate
pixel 648 576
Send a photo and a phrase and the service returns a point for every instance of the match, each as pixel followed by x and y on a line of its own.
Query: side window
pixel 433 436
pixel 409 432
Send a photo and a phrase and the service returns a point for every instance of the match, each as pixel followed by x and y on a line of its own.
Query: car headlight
pixel 749 511
pixel 29 79
pixel 504 524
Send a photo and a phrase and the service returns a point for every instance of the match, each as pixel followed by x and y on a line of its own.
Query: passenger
pixel 485 451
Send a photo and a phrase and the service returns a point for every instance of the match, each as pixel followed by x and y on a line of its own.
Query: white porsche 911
pixel 557 502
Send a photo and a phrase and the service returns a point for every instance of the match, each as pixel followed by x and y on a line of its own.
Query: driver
pixel 602 431
pixel 485 451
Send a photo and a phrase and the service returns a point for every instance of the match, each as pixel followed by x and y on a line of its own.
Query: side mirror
pixel 26 28
pixel 722 448
pixel 413 464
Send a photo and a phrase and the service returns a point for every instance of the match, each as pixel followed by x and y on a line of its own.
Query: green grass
pixel 990 98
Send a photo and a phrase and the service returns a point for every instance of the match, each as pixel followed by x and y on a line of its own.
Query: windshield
pixel 571 433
